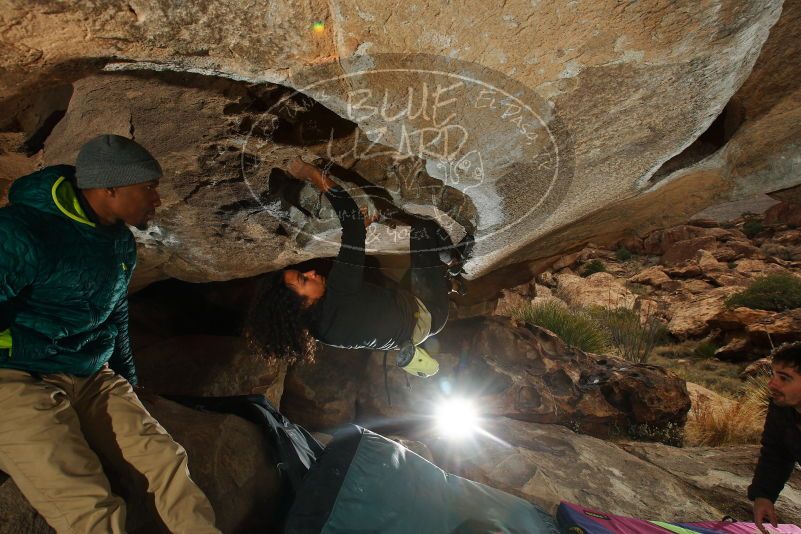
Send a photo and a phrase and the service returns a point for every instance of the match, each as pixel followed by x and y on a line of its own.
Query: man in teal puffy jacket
pixel 66 368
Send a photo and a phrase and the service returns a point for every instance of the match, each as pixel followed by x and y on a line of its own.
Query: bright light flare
pixel 456 418
pixel 318 27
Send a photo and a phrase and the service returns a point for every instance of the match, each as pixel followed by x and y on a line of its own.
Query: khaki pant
pixel 50 428
pixel 422 326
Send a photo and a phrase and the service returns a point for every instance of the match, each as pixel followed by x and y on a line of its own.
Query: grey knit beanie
pixel 114 161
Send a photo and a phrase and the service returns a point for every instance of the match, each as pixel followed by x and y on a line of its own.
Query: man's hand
pixel 764 509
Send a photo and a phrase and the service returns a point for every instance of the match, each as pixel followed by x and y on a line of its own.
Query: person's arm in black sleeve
pixel 121 361
pixel 776 463
pixel 348 270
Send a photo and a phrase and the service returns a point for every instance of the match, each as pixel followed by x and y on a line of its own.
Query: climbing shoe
pixel 417 361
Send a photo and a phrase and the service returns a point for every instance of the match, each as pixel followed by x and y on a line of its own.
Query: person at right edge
pixel 781 438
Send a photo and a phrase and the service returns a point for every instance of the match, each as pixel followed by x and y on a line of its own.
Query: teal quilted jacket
pixel 63 281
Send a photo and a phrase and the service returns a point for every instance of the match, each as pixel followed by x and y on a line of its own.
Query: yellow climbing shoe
pixel 422 364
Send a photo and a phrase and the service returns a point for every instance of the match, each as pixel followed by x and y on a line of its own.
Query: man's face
pixel 136 204
pixel 785 386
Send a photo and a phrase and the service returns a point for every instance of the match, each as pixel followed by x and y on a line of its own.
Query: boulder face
pixel 784 213
pixel 511 371
pixel 652 276
pixel 690 318
pixel 323 395
pixel 530 178
pixel 547 463
pixel 719 477
pixel 209 366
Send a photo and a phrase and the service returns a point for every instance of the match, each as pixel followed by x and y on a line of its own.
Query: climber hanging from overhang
pixel 293 308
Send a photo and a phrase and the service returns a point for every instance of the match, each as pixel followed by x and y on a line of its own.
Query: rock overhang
pixel 612 80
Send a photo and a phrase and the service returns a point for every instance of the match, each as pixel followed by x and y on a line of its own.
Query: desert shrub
pixel 634 339
pixel 705 350
pixel 592 267
pixel 623 254
pixel 713 423
pixel 752 227
pixel 574 326
pixel 774 292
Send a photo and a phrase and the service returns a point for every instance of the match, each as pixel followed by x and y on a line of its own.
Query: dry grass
pixel 684 360
pixel 724 421
pixel 737 416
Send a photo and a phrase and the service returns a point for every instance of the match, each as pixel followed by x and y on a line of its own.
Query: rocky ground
pixel 682 276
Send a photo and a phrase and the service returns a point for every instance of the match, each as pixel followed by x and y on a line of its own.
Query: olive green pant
pixel 52 428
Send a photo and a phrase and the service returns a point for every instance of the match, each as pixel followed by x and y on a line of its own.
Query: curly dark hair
pixel 277 323
pixel 788 354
